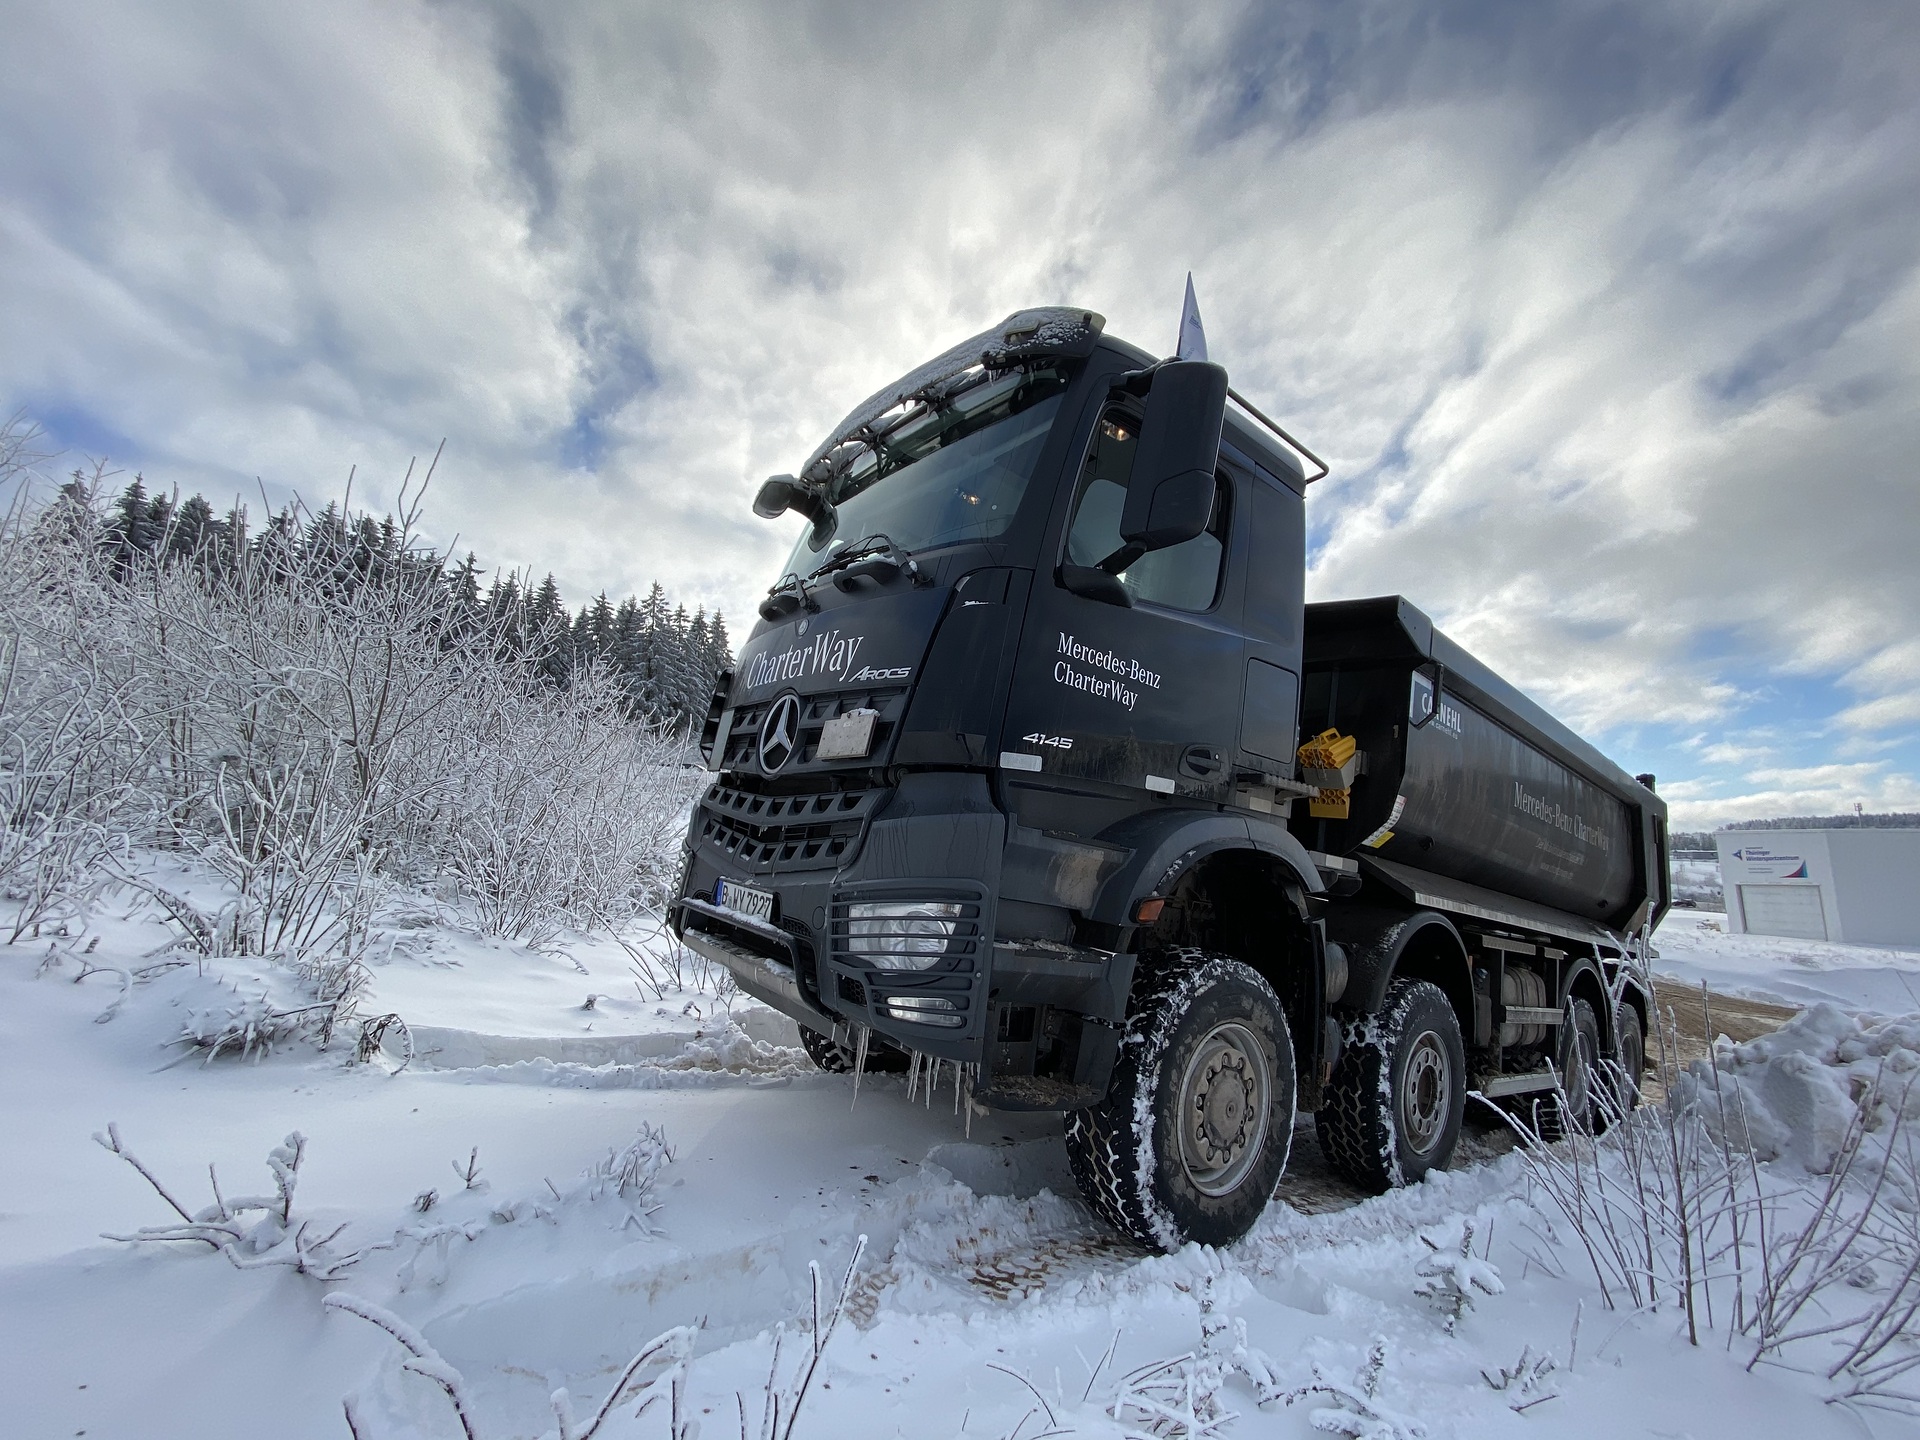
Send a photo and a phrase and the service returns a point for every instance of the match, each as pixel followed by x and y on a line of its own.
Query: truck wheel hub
pixel 1223 1109
pixel 1425 1093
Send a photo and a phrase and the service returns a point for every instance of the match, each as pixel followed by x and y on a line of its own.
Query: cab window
pixel 1181 577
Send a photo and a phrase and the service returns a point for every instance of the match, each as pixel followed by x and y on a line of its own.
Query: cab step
pixel 1494 1086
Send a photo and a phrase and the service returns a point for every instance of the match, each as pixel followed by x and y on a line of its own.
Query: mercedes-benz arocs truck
pixel 1039 765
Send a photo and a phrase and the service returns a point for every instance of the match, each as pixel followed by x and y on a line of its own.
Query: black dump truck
pixel 1039 765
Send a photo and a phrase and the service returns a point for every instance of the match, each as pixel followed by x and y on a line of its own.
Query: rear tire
pixel 1195 1129
pixel 1577 1057
pixel 1393 1109
pixel 1629 1064
pixel 837 1059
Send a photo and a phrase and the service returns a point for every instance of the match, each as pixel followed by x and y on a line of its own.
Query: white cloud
pixel 1797 790
pixel 1617 365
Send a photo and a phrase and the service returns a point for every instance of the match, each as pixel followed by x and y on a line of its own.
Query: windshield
pixel 952 475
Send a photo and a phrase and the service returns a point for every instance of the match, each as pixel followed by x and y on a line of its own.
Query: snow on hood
pixel 1023 335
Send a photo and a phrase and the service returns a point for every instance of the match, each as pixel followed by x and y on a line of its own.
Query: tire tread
pixel 1355 1121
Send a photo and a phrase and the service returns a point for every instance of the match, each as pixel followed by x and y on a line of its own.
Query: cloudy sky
pixel 1607 316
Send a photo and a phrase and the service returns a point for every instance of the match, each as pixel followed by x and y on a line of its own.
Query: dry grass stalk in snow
pixel 1449 1280
pixel 669 1354
pixel 1356 1410
pixel 422 1359
pixel 782 1398
pixel 1179 1399
pixel 1800 1237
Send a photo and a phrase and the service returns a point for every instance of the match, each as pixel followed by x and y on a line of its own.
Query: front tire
pixel 1194 1132
pixel 1393 1110
pixel 837 1059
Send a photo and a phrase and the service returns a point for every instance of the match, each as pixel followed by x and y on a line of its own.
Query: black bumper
pixel 938 838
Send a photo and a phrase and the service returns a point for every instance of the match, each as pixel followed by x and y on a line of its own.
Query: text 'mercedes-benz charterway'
pixel 1121 681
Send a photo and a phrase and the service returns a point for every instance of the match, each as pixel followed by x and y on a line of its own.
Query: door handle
pixel 1202 762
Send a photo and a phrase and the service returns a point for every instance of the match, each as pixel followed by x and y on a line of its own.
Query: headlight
pixel 909 935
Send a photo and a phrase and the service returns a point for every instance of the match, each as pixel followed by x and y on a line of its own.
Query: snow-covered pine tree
pixel 507 605
pixel 699 679
pixel 464 585
pixel 655 628
pixel 195 531
pixel 626 656
pixel 130 528
pixel 680 668
pixel 159 522
pixel 549 630
pixel 599 618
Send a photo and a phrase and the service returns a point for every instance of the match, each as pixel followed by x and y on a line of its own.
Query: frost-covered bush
pixel 74 759
pixel 312 713
pixel 571 815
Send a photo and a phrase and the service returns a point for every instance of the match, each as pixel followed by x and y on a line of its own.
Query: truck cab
pixel 1008 778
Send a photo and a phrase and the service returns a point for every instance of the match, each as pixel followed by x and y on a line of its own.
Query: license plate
pixel 848 737
pixel 743 900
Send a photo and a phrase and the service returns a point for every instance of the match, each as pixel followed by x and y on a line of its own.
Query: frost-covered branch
pixel 782 1399
pixel 1356 1410
pixel 226 1226
pixel 422 1359
pixel 675 1348
pixel 1449 1280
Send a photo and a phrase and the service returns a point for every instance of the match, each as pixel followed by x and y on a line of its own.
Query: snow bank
pixel 1798 1093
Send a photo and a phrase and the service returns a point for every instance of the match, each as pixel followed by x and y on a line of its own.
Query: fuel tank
pixel 1465 777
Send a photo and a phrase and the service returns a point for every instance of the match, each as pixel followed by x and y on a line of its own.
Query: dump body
pixel 1467 779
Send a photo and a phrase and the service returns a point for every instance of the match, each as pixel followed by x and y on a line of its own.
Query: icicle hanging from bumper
pixel 861 1037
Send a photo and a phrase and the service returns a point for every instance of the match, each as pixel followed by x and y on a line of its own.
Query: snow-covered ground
pixel 1694 946
pixel 986 1303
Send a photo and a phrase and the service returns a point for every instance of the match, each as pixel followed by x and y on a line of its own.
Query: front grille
pixel 764 831
pixel 853 992
pixel 743 737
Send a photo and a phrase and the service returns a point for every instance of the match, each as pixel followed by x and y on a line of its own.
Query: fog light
pixel 909 935
pixel 924 1010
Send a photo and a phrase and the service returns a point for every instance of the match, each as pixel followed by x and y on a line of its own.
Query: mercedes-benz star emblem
pixel 780 734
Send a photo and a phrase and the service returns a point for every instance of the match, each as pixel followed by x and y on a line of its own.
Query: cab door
pixel 1146 697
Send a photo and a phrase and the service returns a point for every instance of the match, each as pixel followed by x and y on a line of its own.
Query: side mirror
pixel 1170 497
pixel 783 493
pixel 777 496
pixel 1095 584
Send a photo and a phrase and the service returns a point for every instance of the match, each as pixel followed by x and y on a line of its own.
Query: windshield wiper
pixel 875 558
pixel 788 594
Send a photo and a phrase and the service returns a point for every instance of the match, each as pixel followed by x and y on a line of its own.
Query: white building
pixel 1860 886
